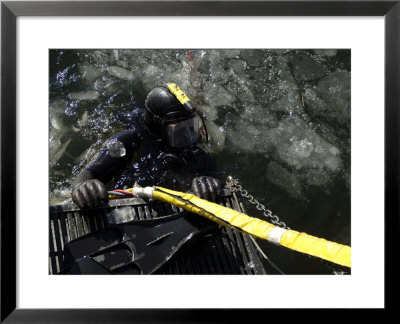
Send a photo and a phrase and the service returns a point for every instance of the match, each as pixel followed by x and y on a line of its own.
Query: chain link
pixel 234 186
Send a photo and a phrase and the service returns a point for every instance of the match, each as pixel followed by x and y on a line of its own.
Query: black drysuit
pixel 139 156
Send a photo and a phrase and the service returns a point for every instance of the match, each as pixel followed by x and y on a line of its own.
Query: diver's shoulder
pixel 126 137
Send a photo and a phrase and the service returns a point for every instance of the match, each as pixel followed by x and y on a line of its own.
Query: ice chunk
pixel 209 112
pixel 333 163
pixel 217 136
pixel 90 72
pixel 247 137
pixel 56 114
pixel 210 64
pixel 55 122
pixel 289 103
pixel 84 119
pixel 253 58
pixel 231 53
pixel 84 95
pixel 116 149
pixel 305 67
pixel 301 149
pixel 152 71
pixel 326 52
pixel 315 177
pixel 61 194
pixel 331 99
pixel 216 95
pixel 121 73
pixel 238 66
pixel 334 151
pixel 57 150
pixel 101 56
pixel 257 115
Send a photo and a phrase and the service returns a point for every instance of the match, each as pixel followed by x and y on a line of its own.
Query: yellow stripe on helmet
pixel 178 93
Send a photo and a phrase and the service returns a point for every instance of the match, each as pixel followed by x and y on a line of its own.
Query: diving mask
pixel 185 133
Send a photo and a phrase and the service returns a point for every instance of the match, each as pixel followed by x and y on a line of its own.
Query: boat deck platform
pixel 224 251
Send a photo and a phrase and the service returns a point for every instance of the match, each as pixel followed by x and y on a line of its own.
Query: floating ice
pixel 326 52
pixel 90 72
pixel 84 95
pixel 238 66
pixel 301 147
pixel 152 71
pixel 217 96
pixel 305 67
pixel 121 73
pixel 331 98
pixel 254 58
pixel 210 113
pixel 56 114
pixel 333 163
pixel 231 53
pixel 217 136
pixel 57 150
pixel 84 118
pixel 116 149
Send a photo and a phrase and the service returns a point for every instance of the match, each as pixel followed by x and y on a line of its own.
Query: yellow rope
pixel 301 242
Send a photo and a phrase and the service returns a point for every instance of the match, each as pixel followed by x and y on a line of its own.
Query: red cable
pixel 123 191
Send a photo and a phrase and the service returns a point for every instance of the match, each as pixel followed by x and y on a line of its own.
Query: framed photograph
pixel 116 117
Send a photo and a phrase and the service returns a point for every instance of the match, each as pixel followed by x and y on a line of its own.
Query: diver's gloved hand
pixel 89 193
pixel 207 188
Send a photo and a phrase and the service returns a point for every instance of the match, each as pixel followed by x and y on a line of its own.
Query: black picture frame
pixel 10 10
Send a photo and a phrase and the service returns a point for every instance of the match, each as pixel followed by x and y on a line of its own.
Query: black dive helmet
pixel 173 118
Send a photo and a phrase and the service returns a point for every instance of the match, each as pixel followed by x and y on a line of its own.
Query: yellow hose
pixel 301 242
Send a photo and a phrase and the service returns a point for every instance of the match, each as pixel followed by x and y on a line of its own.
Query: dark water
pixel 279 121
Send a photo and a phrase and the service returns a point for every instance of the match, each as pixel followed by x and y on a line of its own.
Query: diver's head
pixel 172 117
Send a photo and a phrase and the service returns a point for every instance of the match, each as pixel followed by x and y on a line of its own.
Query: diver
pixel 163 147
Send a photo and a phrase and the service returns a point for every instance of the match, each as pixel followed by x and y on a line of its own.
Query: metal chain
pixel 234 186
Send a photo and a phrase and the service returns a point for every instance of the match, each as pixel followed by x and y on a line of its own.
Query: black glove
pixel 89 193
pixel 207 188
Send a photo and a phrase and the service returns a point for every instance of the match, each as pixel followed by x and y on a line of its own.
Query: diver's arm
pixel 88 188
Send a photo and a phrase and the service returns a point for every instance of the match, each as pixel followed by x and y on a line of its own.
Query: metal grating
pixel 222 252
